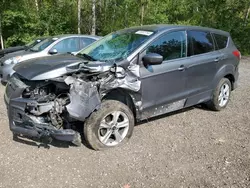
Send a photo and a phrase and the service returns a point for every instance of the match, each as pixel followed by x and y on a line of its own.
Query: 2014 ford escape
pixel 129 75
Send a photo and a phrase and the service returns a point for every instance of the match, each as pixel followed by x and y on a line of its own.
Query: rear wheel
pixel 221 95
pixel 110 126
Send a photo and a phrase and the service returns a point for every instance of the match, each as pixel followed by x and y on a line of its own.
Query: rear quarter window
pixel 221 40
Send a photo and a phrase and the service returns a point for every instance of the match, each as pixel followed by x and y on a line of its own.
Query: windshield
pixel 116 46
pixel 42 45
pixel 33 43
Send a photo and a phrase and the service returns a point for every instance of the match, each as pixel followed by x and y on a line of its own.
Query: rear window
pixel 221 40
pixel 199 42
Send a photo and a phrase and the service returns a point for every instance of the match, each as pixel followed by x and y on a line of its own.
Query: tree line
pixel 23 20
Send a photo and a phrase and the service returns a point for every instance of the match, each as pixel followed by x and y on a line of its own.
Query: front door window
pixel 67 45
pixel 170 46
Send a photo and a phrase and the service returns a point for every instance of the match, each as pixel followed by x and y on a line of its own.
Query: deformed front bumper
pixel 25 124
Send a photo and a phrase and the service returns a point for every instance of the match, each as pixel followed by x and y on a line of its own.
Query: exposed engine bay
pixel 52 106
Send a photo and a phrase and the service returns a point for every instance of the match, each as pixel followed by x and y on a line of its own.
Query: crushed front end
pixel 51 108
pixel 38 109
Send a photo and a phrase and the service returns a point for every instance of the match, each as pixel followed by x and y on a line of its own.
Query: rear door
pixel 204 57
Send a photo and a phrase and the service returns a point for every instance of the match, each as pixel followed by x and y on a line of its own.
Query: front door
pixel 165 83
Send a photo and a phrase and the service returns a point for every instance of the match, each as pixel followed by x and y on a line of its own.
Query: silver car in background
pixel 48 47
pixel 21 48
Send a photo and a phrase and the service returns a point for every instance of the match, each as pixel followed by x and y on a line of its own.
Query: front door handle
pixel 217 59
pixel 181 68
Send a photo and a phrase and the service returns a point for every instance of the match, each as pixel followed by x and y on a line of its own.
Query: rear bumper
pixel 235 85
pixel 236 78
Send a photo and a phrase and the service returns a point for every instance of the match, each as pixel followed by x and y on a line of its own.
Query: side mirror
pixel 53 51
pixel 152 59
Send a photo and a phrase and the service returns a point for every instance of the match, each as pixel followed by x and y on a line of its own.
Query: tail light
pixel 237 54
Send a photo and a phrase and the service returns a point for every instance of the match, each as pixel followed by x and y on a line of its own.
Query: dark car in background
pixel 19 48
pixel 129 75
pixel 49 46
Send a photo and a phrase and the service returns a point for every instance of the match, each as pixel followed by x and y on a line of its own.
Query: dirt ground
pixel 193 148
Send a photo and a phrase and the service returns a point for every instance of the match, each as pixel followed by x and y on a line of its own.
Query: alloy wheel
pixel 224 95
pixel 113 128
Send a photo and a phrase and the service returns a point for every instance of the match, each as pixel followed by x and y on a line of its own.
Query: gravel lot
pixel 194 148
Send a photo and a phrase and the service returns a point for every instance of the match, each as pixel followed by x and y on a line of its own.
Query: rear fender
pixel 223 71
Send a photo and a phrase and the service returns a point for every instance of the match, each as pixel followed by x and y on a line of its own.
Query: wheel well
pixel 231 78
pixel 122 96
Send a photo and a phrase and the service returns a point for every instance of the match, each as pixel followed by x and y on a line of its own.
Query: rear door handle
pixel 181 68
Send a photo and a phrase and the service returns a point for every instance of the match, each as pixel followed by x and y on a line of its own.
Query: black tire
pixel 92 124
pixel 213 104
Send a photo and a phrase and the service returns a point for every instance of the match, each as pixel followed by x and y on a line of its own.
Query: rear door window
pixel 84 42
pixel 221 41
pixel 170 46
pixel 199 42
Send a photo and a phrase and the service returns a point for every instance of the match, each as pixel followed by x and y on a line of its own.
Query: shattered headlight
pixel 13 60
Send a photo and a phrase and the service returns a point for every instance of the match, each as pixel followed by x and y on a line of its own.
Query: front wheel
pixel 221 95
pixel 109 126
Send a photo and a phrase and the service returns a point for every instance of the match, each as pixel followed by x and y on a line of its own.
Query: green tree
pixel 23 20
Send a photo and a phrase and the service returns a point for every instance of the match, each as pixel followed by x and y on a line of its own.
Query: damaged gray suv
pixel 127 76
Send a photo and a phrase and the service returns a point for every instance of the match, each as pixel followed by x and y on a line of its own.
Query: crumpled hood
pixel 46 67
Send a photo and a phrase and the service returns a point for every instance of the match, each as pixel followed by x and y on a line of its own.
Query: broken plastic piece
pixel 84 99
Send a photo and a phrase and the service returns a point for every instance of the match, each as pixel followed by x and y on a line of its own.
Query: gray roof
pixel 165 27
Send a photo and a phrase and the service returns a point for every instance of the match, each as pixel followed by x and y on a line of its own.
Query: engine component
pixel 39 108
